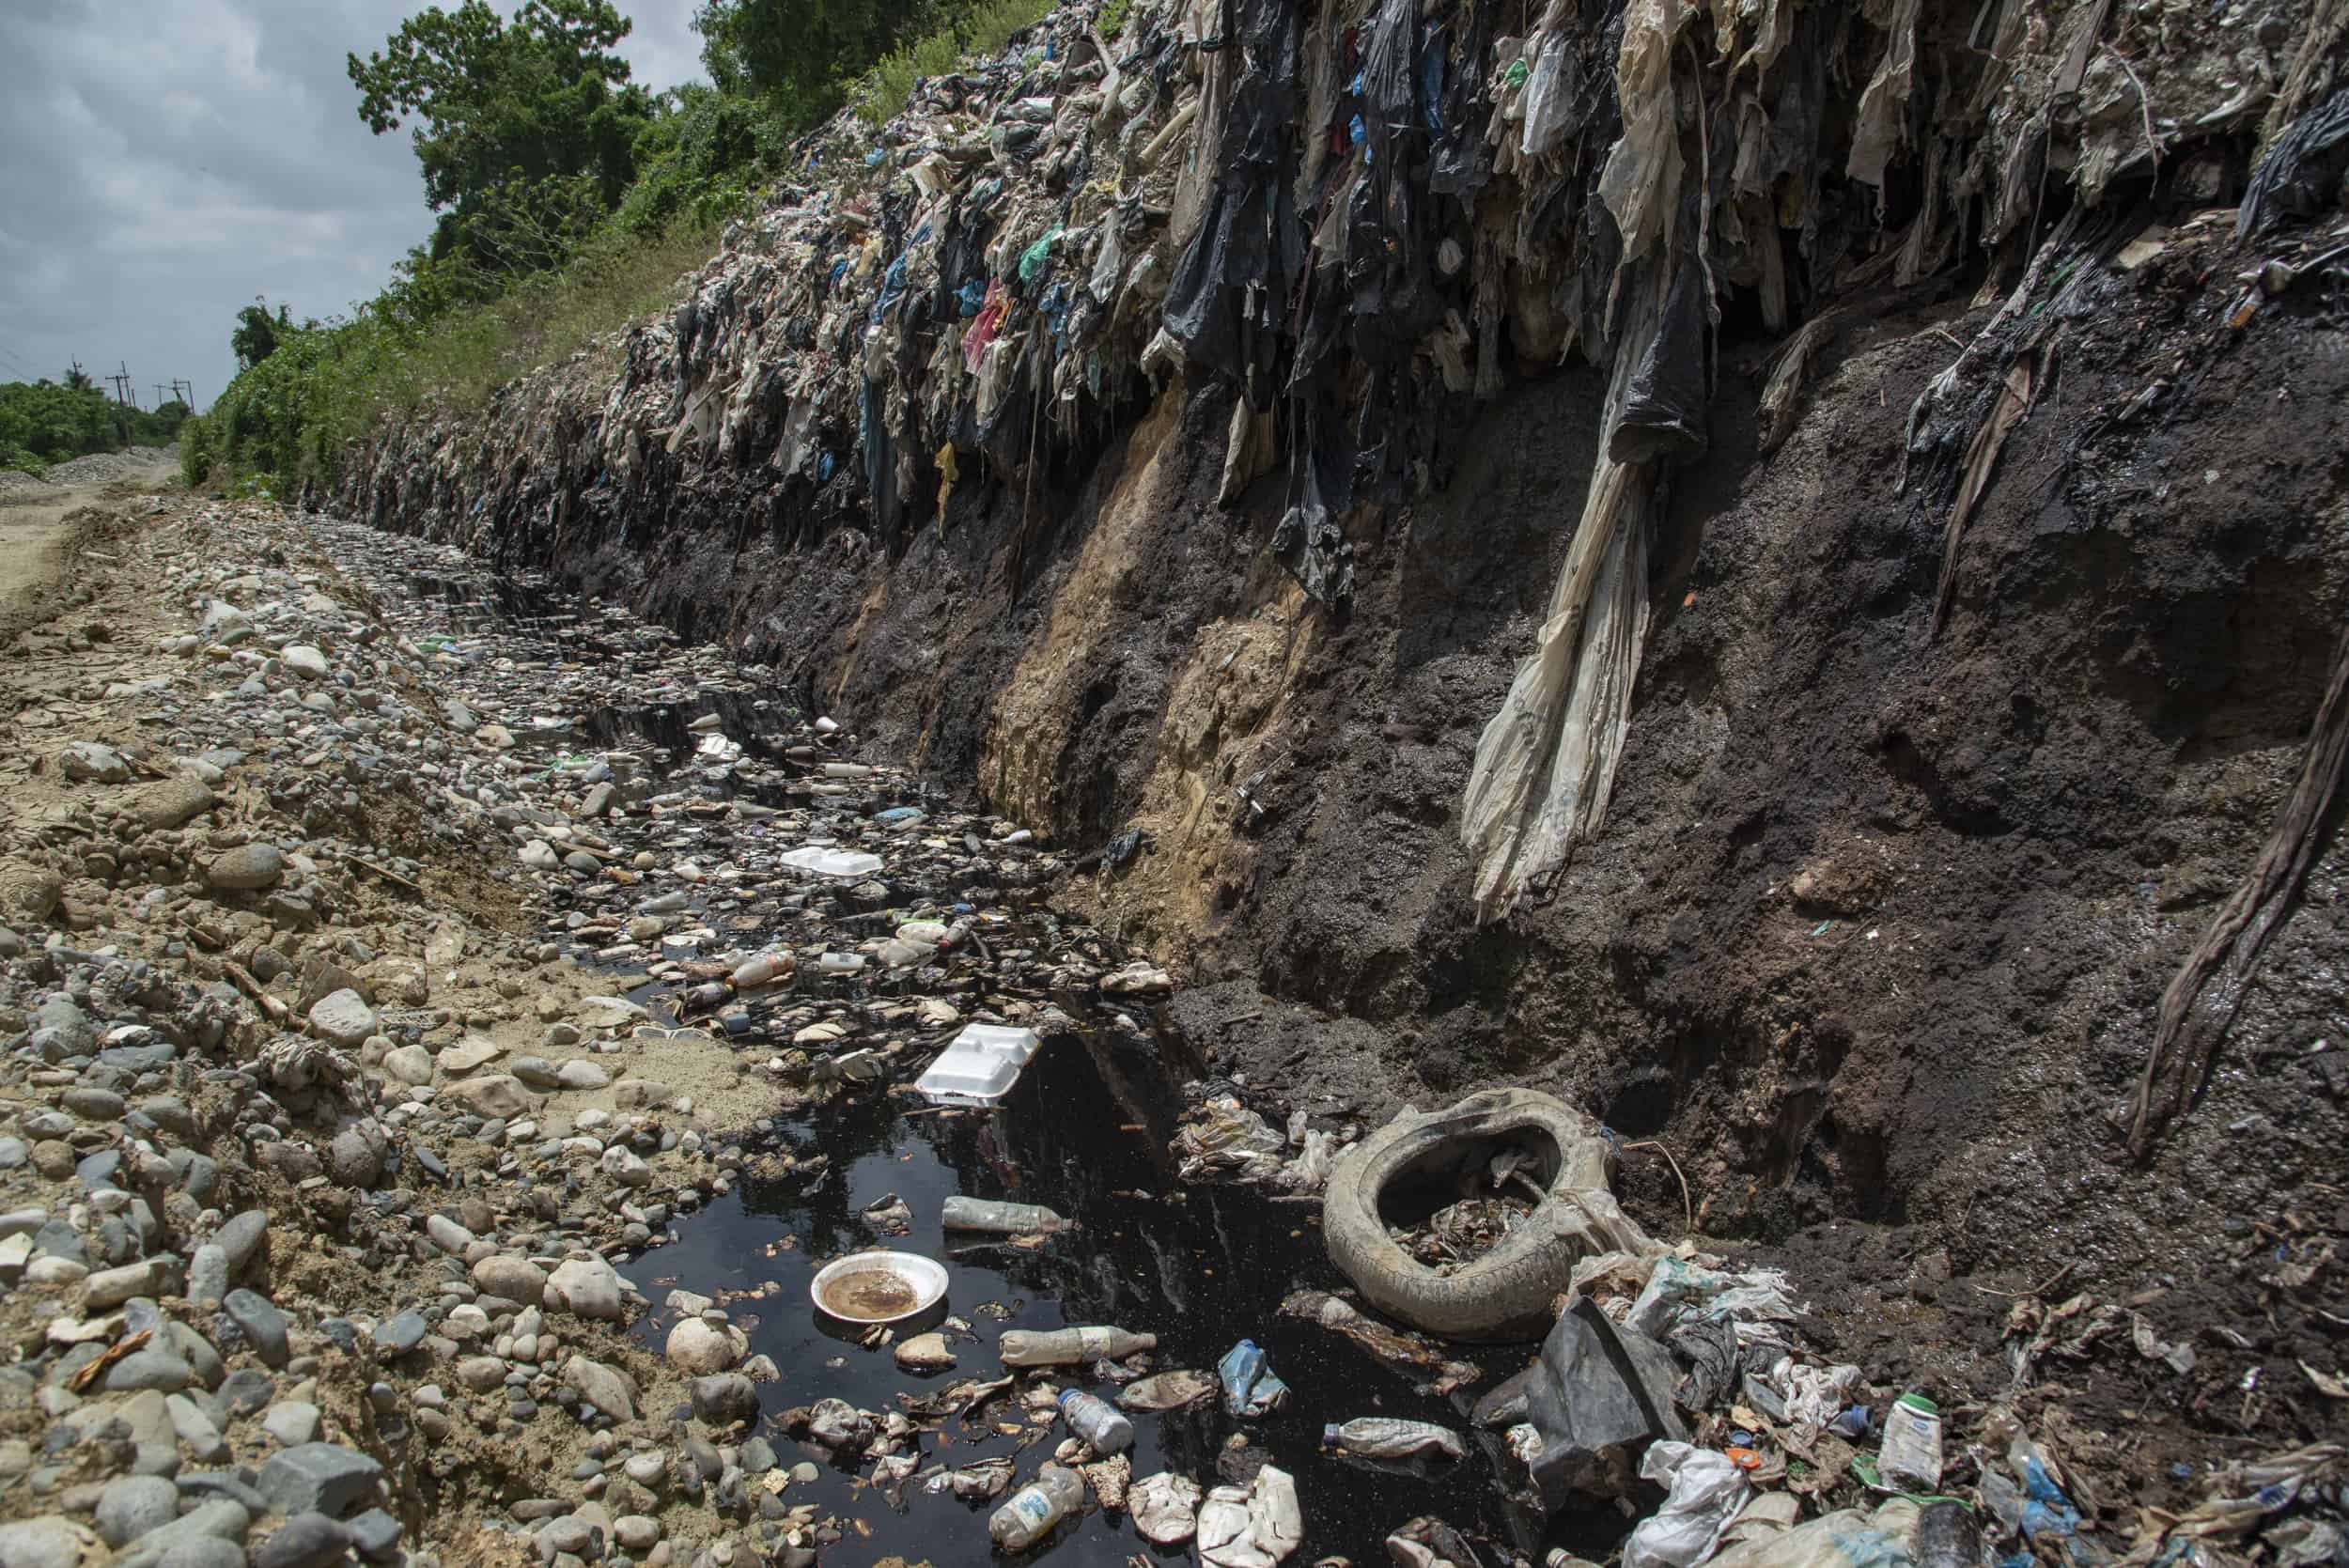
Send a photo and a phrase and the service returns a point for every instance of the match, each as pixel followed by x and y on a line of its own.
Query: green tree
pixel 801 51
pixel 256 336
pixel 522 128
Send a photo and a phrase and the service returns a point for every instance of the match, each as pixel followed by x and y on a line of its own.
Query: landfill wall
pixel 1738 561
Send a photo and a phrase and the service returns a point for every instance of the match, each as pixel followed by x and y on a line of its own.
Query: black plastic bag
pixel 1599 1392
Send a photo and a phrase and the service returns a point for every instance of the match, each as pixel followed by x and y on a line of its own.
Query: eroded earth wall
pixel 1867 477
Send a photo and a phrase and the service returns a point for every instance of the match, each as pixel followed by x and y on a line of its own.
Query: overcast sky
pixel 162 161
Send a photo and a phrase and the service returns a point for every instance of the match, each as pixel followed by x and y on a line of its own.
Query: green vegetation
pixel 48 422
pixel 526 132
pixel 983 29
pixel 569 200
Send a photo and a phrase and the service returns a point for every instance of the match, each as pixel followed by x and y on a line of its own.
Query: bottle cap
pixel 1919 1403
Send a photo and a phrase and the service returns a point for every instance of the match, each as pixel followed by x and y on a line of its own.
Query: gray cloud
pixel 164 164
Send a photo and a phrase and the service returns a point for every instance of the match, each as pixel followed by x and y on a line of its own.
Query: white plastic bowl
pixel 878 1287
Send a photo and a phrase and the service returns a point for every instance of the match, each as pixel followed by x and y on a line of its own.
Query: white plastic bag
pixel 1708 1491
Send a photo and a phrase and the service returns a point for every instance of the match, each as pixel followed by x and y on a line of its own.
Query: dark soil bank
pixel 1877 923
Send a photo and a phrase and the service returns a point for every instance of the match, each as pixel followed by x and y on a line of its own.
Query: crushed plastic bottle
pixel 1097 1421
pixel 1069 1347
pixel 998 1216
pixel 1389 1438
pixel 1029 1515
pixel 1251 1388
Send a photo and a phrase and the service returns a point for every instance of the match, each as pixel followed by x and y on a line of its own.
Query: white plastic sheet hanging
pixel 1545 762
pixel 1883 107
pixel 1641 184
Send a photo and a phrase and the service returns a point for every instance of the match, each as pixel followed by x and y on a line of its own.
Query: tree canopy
pixel 526 130
pixel 256 336
pixel 800 50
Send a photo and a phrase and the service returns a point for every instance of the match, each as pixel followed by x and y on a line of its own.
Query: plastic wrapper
pixel 1706 1492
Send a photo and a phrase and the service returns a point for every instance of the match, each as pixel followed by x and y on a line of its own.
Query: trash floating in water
pixel 878 1287
pixel 995 1215
pixel 980 1066
pixel 845 865
pixel 1251 1388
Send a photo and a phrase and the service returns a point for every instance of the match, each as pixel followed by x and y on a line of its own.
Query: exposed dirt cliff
pixel 1894 510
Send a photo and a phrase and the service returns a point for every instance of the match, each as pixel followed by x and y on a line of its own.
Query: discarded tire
pixel 1509 1290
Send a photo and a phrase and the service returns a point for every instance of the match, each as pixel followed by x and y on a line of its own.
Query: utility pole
pixel 185 392
pixel 159 394
pixel 121 379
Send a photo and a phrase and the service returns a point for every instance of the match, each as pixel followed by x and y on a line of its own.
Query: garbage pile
pixel 1352 222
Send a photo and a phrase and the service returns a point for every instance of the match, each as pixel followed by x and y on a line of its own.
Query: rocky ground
pixel 370 991
pixel 325 1111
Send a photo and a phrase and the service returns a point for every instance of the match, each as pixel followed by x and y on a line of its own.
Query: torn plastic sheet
pixel 1223 305
pixel 2301 169
pixel 1427 1542
pixel 1641 184
pixel 1679 1292
pixel 1877 133
pixel 1309 542
pixel 1252 1528
pixel 1598 1392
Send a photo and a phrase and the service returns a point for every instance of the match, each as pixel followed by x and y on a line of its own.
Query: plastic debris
pixel 1708 1490
pixel 1254 1528
pixel 1599 1393
pixel 1388 1437
pixel 979 1066
pixel 1166 1391
pixel 1397 1350
pixel 1251 1388
pixel 1165 1507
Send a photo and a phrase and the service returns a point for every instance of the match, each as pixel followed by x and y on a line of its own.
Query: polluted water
pixel 664 800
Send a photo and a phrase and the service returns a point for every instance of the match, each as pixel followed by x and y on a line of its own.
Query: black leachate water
pixel 1201 1266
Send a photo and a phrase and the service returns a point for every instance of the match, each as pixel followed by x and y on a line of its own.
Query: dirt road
pixel 37 534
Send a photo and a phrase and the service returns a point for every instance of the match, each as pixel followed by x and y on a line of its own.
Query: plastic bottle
pixel 994 1214
pixel 1910 1458
pixel 763 968
pixel 841 963
pixel 1097 1421
pixel 1948 1536
pixel 1061 1347
pixel 1386 1437
pixel 1029 1515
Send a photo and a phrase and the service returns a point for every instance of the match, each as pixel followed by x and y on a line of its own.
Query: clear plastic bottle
pixel 1029 1515
pixel 841 963
pixel 1061 1347
pixel 1387 1438
pixel 999 1216
pixel 1097 1421
pixel 763 968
